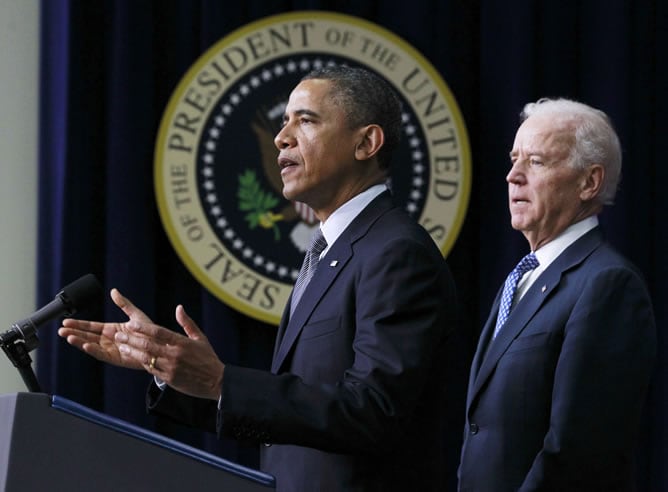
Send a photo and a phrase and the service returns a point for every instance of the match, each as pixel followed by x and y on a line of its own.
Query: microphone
pixel 68 301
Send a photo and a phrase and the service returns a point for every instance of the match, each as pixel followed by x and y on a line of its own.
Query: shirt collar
pixel 549 252
pixel 341 218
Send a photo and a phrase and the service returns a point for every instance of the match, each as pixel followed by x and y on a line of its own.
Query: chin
pixel 289 193
pixel 517 224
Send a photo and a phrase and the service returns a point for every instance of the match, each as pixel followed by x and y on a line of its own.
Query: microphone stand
pixel 17 344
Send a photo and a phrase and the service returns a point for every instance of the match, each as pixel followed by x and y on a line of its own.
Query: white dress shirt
pixel 341 218
pixel 549 252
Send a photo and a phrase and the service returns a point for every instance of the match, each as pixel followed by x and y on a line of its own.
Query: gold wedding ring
pixel 151 365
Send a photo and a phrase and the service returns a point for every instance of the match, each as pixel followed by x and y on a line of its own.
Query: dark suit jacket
pixel 554 402
pixel 355 398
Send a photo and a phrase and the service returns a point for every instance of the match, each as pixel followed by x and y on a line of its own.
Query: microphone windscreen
pixel 82 292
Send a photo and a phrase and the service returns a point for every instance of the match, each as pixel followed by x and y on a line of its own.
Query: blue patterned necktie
pixel 318 245
pixel 529 262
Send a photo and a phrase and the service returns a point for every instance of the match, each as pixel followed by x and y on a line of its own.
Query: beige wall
pixel 19 49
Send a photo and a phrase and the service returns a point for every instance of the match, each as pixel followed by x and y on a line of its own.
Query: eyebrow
pixel 513 153
pixel 302 112
pixel 306 112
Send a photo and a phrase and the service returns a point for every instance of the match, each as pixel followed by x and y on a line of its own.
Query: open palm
pixel 98 339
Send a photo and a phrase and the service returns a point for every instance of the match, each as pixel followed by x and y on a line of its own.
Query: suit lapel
pixel 525 310
pixel 282 326
pixel 329 267
pixel 317 287
pixel 519 317
pixel 483 341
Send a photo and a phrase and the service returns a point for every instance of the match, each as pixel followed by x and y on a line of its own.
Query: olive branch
pixel 257 203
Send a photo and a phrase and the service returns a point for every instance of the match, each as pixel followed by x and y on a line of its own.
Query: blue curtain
pixel 108 68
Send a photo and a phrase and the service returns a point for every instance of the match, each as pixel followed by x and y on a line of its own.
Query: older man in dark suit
pixel 564 360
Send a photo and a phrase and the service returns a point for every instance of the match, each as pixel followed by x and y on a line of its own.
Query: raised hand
pixel 97 338
pixel 186 363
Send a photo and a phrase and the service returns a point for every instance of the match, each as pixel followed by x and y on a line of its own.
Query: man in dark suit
pixel 356 394
pixel 564 360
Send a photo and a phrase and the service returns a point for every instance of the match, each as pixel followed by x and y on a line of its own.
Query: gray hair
pixel 596 141
pixel 366 99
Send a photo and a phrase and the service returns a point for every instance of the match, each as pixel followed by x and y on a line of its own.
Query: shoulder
pixel 606 258
pixel 607 274
pixel 396 229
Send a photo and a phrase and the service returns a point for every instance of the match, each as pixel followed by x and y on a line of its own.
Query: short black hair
pixel 366 99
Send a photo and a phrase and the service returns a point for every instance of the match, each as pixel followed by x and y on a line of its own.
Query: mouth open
pixel 287 165
pixel 284 162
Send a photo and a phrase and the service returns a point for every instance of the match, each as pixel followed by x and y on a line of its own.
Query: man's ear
pixel 592 182
pixel 370 141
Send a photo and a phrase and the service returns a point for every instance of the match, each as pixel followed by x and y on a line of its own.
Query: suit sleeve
pixel 402 305
pixel 181 408
pixel 600 381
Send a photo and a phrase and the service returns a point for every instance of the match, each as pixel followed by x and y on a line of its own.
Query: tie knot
pixel 318 243
pixel 529 262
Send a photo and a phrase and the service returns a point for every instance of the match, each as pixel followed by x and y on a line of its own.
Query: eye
pixel 535 162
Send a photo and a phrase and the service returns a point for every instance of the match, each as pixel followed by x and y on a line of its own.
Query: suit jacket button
pixel 473 429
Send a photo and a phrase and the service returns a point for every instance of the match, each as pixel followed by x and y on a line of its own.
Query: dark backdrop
pixel 107 69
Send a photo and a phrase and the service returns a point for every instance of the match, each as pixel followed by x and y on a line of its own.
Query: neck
pixel 322 213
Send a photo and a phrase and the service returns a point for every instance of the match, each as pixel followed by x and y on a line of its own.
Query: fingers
pixel 145 341
pixel 92 344
pixel 81 326
pixel 132 311
pixel 139 354
pixel 189 326
pixel 78 332
pixel 76 337
pixel 144 332
pixel 163 335
pixel 135 345
pixel 73 339
pixel 148 359
pixel 95 350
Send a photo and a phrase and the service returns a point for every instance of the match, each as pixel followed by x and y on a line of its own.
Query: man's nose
pixel 283 139
pixel 515 175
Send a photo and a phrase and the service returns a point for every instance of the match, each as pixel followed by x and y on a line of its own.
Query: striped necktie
pixel 318 244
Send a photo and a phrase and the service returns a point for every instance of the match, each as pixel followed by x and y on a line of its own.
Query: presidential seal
pixel 217 181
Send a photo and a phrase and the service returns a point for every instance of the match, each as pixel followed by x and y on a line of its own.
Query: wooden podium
pixel 51 443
